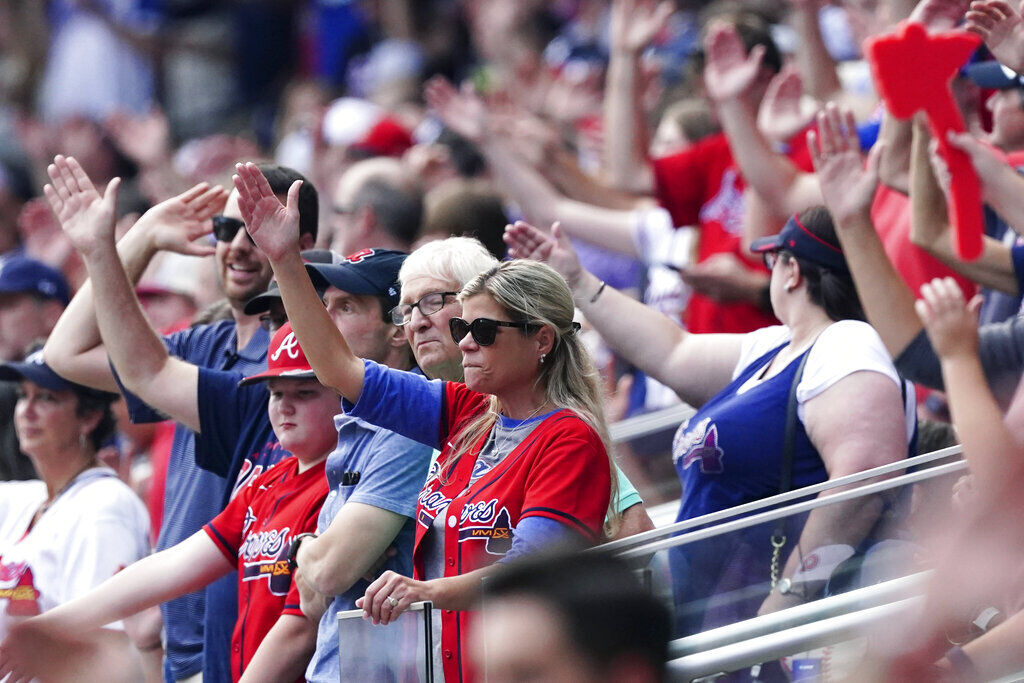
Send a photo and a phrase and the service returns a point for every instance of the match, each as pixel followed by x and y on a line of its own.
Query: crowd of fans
pixel 347 294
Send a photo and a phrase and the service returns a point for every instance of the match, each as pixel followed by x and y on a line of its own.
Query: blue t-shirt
pixel 188 503
pixel 235 440
pixel 392 470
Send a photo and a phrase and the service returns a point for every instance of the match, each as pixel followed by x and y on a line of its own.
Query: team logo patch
pixel 726 207
pixel 482 520
pixel 699 445
pixel 359 256
pixel 265 556
pixel 289 345
pixel 17 586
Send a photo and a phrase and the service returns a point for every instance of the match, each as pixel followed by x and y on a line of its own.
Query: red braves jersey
pixel 560 471
pixel 255 530
pixel 702 186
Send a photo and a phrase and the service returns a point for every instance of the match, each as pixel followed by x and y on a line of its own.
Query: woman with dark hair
pixel 66 533
pixel 824 366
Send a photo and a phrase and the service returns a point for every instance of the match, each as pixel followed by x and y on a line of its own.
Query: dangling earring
pixel 542 357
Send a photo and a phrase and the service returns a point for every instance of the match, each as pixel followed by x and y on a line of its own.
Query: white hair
pixel 454 259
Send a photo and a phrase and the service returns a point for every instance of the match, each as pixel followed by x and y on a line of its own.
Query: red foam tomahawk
pixel 913 71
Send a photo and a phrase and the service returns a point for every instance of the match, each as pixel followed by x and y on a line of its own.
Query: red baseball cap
pixel 285 358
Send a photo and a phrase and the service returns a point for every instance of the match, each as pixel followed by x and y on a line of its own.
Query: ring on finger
pixel 393 601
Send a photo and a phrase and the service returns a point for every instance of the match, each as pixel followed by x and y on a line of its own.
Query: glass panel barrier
pixel 400 652
pixel 716 574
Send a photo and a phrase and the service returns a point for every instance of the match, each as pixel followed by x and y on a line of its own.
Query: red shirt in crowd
pixel 702 186
pixel 254 531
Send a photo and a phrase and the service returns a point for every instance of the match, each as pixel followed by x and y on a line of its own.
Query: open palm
pixel 273 226
pixel 177 222
pixel 86 216
pixel 730 71
pixel 528 242
pixel 847 186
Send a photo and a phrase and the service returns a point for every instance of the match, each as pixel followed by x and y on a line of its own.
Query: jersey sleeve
pixel 570 481
pixel 843 348
pixel 536 533
pixel 461 404
pixel 227 528
pixel 224 408
pixel 394 476
pixel 406 403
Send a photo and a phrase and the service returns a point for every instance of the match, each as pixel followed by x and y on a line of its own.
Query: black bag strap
pixel 788 445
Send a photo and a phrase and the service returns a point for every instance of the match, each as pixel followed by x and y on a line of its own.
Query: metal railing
pixel 773 646
pixel 836 605
pixel 649 423
pixel 672 529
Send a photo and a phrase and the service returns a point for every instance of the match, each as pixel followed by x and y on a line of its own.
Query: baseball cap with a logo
pixel 367 271
pixel 23 275
pixel 284 359
pixel 261 302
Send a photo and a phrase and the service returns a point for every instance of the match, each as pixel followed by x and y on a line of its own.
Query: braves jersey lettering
pixel 483 524
pixel 700 445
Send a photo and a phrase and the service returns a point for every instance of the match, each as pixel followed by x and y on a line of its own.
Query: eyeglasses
pixel 429 304
pixel 484 330
pixel 272 323
pixel 225 228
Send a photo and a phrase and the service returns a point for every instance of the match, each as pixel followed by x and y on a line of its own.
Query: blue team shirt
pixel 188 503
pixel 235 440
pixel 392 470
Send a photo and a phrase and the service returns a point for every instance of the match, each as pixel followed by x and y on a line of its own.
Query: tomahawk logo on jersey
pixel 699 444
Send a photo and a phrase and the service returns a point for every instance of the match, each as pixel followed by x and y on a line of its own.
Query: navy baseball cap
pixel 799 241
pixel 261 302
pixel 368 271
pixel 34 370
pixel 993 75
pixel 23 275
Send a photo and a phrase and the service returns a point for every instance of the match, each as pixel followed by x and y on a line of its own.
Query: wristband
pixel 598 292
pixel 293 550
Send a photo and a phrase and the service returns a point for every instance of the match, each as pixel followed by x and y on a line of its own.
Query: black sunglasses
pixel 484 330
pixel 225 228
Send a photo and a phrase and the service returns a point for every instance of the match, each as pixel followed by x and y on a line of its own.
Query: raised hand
pixel 939 168
pixel 273 226
pixel 461 110
pixel 86 217
pixel 176 223
pixel 847 186
pixel 636 23
pixel 939 15
pixel 1000 26
pixel 951 324
pixel 555 249
pixel 987 162
pixel 729 71
pixel 781 115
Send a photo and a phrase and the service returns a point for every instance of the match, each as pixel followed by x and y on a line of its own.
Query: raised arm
pixel 634 24
pixel 135 349
pixel 275 230
pixel 812 57
pixel 731 77
pixel 848 188
pixel 695 366
pixel 1002 186
pixel 1000 26
pixel 183 568
pixel 74 348
pixel 993 446
pixel 930 228
pixel 543 204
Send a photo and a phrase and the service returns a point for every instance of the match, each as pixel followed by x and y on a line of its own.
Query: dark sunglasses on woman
pixel 225 228
pixel 484 330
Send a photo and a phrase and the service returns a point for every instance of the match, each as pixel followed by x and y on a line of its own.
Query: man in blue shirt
pixel 237 344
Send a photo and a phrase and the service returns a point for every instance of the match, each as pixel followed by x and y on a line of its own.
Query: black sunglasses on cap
pixel 484 330
pixel 225 228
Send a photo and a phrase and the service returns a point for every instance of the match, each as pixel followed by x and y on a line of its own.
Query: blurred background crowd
pixel 664 137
